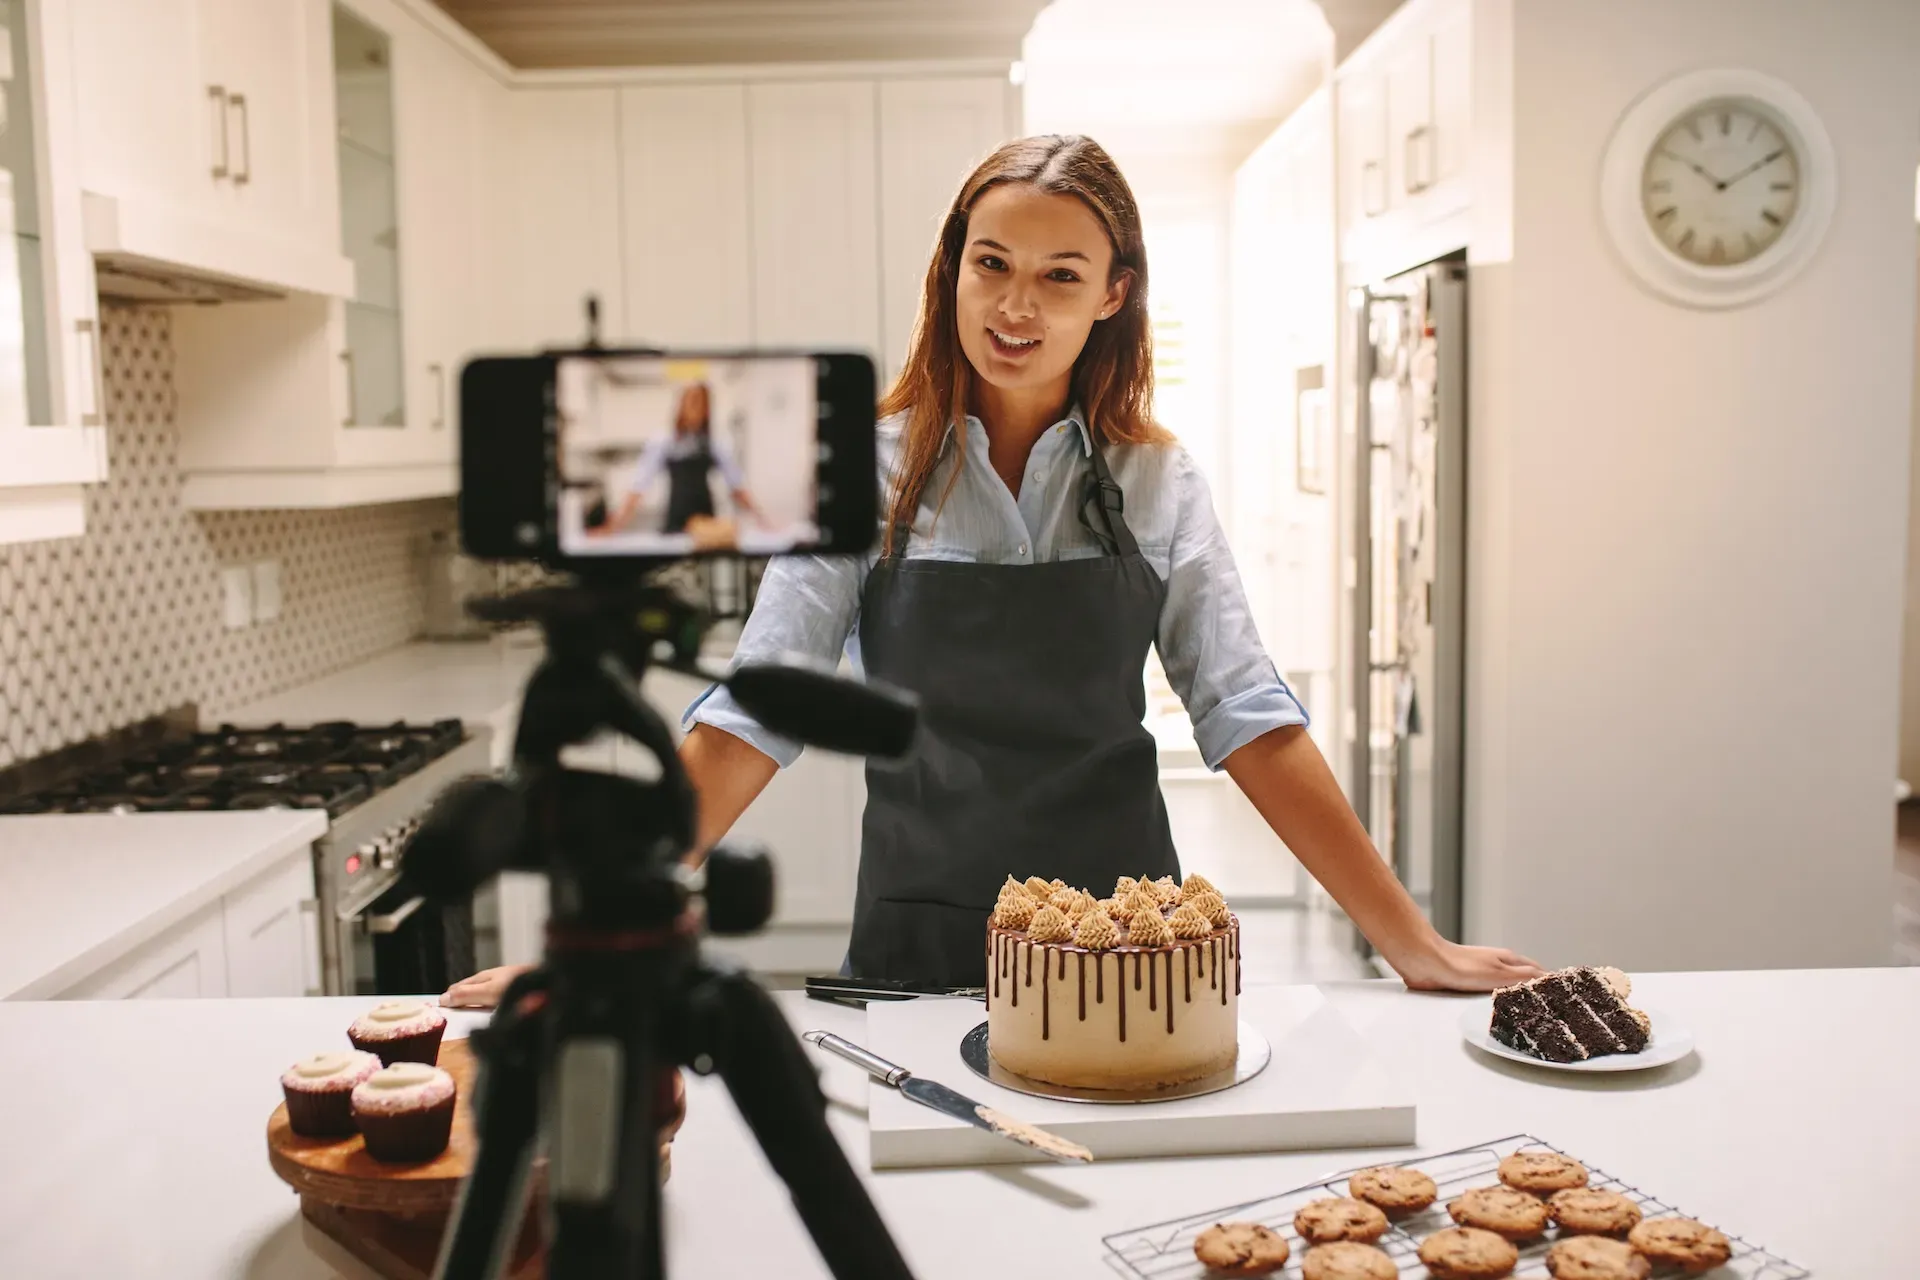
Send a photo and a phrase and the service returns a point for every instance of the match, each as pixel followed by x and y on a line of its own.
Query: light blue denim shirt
pixel 810 605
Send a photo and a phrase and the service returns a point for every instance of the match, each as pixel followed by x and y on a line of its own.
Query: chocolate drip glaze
pixel 1046 972
pixel 1063 965
pixel 1029 946
pixel 1186 974
pixel 1218 960
pixel 1153 984
pixel 1013 977
pixel 1136 970
pixel 1099 978
pixel 1233 950
pixel 1213 974
pixel 1120 989
pixel 1083 986
pixel 1169 993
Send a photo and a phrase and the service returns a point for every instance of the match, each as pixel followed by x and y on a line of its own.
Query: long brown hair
pixel 1113 376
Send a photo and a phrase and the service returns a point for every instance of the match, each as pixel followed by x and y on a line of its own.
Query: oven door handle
pixel 391 921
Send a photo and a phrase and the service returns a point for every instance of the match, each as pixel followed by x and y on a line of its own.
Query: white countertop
pixel 1797 1126
pixel 479 682
pixel 78 890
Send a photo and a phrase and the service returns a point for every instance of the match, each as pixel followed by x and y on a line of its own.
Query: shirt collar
pixel 1074 416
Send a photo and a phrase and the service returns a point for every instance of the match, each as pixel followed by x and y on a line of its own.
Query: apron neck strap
pixel 1111 504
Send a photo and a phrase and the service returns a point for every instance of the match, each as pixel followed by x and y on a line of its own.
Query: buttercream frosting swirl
pixel 1214 907
pixel 1141 902
pixel 1014 910
pixel 1166 890
pixel 1188 922
pixel 1050 924
pixel 1040 889
pixel 1096 931
pixel 1124 886
pixel 1195 885
pixel 1149 929
pixel 1075 902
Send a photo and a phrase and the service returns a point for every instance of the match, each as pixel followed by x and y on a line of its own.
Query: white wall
pixel 1910 653
pixel 1688 528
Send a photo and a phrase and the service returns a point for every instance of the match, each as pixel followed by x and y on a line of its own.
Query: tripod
pixel 584 1046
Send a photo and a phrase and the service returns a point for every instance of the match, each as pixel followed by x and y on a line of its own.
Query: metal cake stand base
pixel 1252 1059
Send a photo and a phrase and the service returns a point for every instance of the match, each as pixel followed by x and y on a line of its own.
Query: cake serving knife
pixel 929 1093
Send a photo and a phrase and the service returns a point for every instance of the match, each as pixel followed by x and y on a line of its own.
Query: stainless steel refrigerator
pixel 1406 588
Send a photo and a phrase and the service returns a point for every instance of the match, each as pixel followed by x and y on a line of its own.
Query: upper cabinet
pixel 933 133
pixel 206 146
pixel 51 442
pixel 1404 135
pixel 816 268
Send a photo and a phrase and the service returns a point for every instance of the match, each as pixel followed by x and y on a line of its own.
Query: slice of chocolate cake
pixel 1569 1016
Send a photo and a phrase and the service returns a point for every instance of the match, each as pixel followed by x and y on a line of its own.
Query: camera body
pixel 590 458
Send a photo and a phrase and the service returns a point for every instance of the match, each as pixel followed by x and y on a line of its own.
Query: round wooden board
pixel 338 1171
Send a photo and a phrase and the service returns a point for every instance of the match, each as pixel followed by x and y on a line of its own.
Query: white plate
pixel 1670 1043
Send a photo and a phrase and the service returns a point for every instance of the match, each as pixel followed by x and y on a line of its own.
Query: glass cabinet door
pixel 25 396
pixel 369 221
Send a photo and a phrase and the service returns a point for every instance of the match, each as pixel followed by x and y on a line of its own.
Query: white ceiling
pixel 601 33
pixel 598 33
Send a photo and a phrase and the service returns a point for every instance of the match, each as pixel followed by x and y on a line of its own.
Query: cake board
pixel 1324 1088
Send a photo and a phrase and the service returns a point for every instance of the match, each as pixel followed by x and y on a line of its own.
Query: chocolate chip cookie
pixel 1394 1189
pixel 1241 1249
pixel 1542 1171
pixel 1502 1210
pixel 1692 1246
pixel 1592 1258
pixel 1347 1260
pixel 1325 1221
pixel 1467 1253
pixel 1588 1212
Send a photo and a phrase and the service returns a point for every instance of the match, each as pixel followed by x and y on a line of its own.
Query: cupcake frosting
pixel 404 1086
pixel 397 1018
pixel 330 1072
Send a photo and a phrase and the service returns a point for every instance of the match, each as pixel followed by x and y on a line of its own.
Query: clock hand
pixel 1755 167
pixel 1717 184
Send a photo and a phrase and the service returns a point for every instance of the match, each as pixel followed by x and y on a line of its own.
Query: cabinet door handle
pixel 89 328
pixel 219 98
pixel 245 173
pixel 1368 173
pixel 346 358
pixel 1415 136
pixel 309 942
pixel 439 372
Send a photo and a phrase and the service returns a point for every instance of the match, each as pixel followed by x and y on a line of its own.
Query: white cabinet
pixel 205 143
pixel 312 401
pixel 271 936
pixel 685 230
pixel 188 961
pixel 932 135
pixel 1404 137
pixel 51 442
pixel 816 269
pixel 556 175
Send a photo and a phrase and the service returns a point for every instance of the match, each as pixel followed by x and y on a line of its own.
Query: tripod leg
pixel 773 1084
pixel 488 1215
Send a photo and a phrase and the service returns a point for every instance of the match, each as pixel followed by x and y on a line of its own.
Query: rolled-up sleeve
pixel 1209 646
pixel 806 608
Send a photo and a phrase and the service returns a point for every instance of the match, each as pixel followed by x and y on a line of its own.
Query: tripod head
pixel 584 1046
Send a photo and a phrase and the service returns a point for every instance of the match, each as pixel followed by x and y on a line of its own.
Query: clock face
pixel 1721 183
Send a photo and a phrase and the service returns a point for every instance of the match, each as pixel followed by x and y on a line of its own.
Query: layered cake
pixel 1570 1015
pixel 1138 990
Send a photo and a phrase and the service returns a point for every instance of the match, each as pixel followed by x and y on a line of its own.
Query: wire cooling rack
pixel 1164 1251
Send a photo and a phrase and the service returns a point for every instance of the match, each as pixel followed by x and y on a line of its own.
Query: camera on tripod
pixel 606 465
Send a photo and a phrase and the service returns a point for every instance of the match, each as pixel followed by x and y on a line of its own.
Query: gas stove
pixel 333 766
pixel 375 783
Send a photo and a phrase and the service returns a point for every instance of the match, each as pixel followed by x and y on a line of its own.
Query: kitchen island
pixel 136 1140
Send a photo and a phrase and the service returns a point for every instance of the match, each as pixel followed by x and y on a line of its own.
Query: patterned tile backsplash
pixel 106 630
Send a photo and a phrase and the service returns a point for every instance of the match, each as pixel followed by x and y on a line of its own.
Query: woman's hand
pixel 482 990
pixel 1450 966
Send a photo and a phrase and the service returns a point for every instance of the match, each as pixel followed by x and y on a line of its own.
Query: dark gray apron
pixel 1032 758
pixel 688 492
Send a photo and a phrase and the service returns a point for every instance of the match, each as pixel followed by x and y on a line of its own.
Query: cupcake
pixel 400 1031
pixel 319 1092
pixel 405 1112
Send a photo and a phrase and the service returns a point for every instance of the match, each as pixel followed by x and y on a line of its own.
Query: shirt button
pixel 1023 548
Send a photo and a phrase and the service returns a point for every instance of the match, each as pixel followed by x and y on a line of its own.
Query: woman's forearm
pixel 726 774
pixel 1284 775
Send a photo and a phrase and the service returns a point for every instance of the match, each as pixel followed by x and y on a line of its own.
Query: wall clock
pixel 1717 187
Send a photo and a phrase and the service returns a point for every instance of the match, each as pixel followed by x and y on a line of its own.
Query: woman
pixel 689 458
pixel 1042 532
